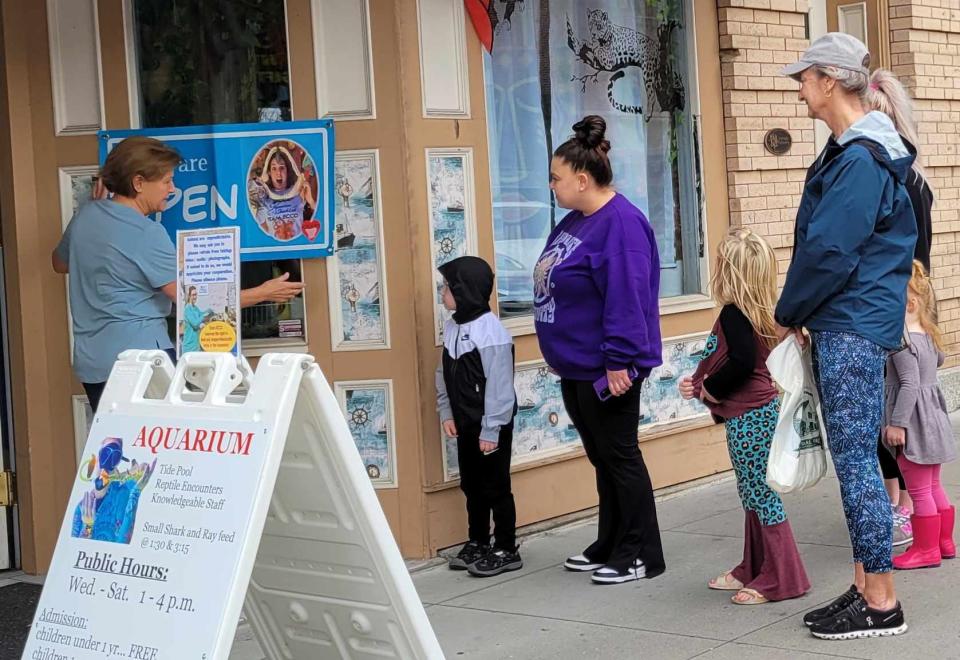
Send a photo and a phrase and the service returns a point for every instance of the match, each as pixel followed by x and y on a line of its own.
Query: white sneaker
pixel 581 563
pixel 610 575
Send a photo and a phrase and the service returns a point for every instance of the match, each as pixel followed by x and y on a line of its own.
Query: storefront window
pixel 215 62
pixel 211 61
pixel 626 60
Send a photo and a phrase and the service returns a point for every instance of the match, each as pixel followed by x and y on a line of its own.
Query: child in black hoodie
pixel 477 404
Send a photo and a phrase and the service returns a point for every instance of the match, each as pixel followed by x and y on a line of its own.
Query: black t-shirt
pixel 922 199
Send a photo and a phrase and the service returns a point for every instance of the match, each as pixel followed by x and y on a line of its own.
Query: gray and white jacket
pixel 475 377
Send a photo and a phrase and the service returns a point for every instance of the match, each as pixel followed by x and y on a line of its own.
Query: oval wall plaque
pixel 778 141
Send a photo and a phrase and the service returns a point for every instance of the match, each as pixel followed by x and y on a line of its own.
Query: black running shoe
pixel 469 554
pixel 497 561
pixel 859 620
pixel 849 596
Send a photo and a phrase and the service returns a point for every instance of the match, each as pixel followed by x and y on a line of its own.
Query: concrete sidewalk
pixel 546 612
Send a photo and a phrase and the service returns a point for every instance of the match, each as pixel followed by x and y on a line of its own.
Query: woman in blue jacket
pixel 853 247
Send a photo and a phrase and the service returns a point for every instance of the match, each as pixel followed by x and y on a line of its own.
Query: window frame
pixel 251 347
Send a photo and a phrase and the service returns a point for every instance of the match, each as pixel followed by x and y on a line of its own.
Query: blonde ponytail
pixel 888 95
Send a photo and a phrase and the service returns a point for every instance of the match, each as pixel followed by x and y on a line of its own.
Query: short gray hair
pixel 853 82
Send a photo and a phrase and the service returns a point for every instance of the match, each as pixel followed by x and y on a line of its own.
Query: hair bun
pixel 590 132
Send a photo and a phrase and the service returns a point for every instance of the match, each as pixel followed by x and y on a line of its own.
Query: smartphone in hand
pixel 602 387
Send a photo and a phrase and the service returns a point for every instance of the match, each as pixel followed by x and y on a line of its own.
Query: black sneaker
pixel 611 575
pixel 859 620
pixel 849 596
pixel 581 563
pixel 468 555
pixel 497 561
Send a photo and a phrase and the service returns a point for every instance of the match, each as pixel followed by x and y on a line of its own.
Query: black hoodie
pixel 475 379
pixel 471 283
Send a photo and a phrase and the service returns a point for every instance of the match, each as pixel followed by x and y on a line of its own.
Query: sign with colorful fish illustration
pixel 156 525
pixel 242 490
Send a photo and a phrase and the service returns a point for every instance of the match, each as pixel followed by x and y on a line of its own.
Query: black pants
pixel 485 481
pixel 94 392
pixel 628 526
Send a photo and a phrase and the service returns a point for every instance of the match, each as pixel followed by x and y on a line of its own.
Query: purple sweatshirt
pixel 596 294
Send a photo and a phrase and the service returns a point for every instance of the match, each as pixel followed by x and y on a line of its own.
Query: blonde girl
pixel 733 382
pixel 917 430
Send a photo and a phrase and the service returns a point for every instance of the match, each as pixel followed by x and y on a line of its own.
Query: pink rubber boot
pixel 948 550
pixel 925 551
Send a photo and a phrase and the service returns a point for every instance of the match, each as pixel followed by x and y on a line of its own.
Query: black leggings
pixel 888 465
pixel 627 527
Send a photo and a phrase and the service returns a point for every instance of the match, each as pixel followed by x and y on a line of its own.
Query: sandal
pixel 754 597
pixel 725 582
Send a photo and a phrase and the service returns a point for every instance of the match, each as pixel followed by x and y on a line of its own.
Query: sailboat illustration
pixel 452 194
pixel 344 235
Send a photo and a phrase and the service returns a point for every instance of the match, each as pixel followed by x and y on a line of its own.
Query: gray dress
pixel 914 402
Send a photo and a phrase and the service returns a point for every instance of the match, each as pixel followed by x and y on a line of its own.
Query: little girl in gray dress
pixel 917 430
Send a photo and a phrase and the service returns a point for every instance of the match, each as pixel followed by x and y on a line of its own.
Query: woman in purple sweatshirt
pixel 596 289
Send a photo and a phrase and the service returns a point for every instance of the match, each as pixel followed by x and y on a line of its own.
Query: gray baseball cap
pixel 832 49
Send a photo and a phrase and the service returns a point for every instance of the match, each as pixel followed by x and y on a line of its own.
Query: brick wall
pixel 925 48
pixel 757 37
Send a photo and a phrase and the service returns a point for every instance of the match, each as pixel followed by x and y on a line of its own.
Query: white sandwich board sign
pixel 200 481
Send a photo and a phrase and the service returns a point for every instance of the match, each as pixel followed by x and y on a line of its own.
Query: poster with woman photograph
pixel 453 229
pixel 543 429
pixel 282 191
pixel 356 274
pixel 368 408
pixel 208 291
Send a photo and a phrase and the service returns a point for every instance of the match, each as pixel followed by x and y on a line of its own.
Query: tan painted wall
pixel 564 484
pixel 424 513
pixel 43 383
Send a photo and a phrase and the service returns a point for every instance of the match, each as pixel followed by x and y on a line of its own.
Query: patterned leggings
pixel 748 440
pixel 849 374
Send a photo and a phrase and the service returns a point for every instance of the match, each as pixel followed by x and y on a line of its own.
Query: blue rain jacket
pixel 854 237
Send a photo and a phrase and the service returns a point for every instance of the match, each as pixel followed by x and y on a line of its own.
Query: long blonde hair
pixel 746 276
pixel 921 287
pixel 888 95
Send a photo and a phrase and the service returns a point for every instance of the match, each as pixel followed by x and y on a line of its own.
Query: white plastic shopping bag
pixel 797 456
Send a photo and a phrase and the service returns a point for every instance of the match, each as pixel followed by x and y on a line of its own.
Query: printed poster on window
pixel 156 523
pixel 208 291
pixel 273 181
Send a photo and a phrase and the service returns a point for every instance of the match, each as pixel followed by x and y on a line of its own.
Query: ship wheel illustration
pixel 446 246
pixel 359 417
